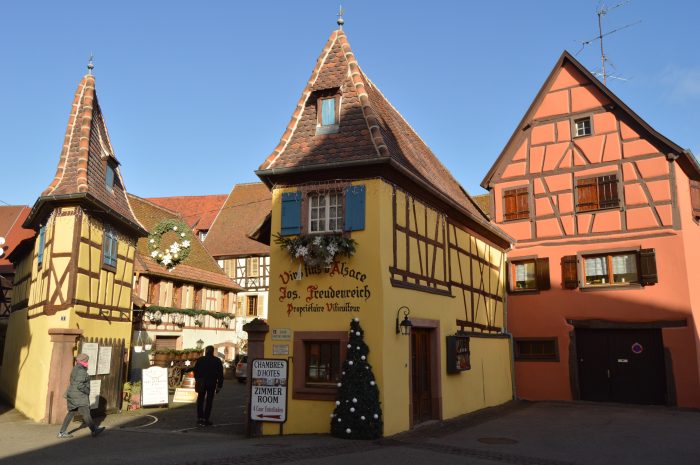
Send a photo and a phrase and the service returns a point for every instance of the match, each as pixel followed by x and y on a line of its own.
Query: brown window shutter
pixel 224 302
pixel 569 272
pixel 198 298
pixel 695 197
pixel 177 297
pixel 261 304
pixel 647 267
pixel 542 273
pixel 154 298
pixel 511 205
pixel 587 190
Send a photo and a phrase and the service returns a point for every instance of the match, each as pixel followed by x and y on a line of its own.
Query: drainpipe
pixel 510 336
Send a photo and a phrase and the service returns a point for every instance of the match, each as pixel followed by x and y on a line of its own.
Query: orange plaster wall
pixel 542 134
pixel 545 314
pixel 554 103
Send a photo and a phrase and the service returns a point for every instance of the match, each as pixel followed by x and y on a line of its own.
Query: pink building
pixel 604 299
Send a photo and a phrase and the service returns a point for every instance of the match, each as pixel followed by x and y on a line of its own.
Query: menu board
pixel 154 386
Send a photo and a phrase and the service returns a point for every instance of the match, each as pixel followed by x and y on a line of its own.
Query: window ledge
pixel 525 291
pixel 308 393
pixel 609 287
pixel 111 268
pixel 515 220
pixel 616 207
pixel 330 129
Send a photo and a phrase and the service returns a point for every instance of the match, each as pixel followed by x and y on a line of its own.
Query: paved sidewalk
pixel 521 433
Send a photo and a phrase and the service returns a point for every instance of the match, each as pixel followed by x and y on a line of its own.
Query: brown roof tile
pixel 198 211
pixel 11 219
pixel 370 129
pixel 82 165
pixel 483 201
pixel 199 267
pixel 244 210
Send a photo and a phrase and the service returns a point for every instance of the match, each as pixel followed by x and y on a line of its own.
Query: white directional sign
pixel 268 397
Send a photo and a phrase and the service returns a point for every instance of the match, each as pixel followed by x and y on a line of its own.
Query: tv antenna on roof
pixel 603 10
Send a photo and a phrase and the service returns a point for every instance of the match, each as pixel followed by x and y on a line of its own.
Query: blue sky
pixel 197 94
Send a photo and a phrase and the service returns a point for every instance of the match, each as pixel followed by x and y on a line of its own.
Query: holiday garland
pixel 357 413
pixel 317 250
pixel 178 250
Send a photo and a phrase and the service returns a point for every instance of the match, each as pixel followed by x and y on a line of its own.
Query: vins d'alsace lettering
pixel 345 296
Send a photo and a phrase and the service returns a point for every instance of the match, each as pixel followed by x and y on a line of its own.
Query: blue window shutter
pixel 355 208
pixel 327 111
pixel 42 242
pixel 291 213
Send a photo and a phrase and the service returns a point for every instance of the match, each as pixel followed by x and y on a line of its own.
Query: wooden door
pixel 620 365
pixel 421 374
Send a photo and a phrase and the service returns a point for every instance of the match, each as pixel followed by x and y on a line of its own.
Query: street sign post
pixel 268 396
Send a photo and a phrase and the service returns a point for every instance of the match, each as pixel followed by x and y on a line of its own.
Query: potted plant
pixel 134 396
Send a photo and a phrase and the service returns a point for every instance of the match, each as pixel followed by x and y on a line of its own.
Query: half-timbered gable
pixel 598 200
pixel 351 175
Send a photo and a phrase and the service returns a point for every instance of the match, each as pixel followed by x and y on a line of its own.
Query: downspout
pixel 510 336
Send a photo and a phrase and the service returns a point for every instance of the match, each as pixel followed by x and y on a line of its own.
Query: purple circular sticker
pixel 637 348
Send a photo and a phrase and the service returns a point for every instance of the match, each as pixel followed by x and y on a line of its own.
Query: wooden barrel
pixel 188 381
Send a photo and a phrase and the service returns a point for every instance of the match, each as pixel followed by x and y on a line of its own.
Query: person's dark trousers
pixel 205 397
pixel 84 412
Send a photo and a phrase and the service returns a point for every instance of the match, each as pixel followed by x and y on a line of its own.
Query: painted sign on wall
pixel 345 296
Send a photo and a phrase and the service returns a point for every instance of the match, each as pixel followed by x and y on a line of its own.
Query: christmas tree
pixel 357 414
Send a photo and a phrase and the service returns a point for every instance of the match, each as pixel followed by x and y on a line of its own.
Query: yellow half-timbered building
pixel 350 170
pixel 73 280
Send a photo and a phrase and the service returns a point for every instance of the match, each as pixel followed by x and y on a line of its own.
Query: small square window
pixel 110 245
pixel 328 111
pixel 322 363
pixel 525 277
pixel 109 178
pixel 582 127
pixel 325 212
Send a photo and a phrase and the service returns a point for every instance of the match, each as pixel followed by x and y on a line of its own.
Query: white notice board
pixel 104 360
pixel 90 349
pixel 268 397
pixel 95 388
pixel 154 386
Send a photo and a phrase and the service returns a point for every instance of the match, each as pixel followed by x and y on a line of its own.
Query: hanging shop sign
pixel 268 397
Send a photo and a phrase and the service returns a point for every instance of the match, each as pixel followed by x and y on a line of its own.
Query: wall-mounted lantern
pixel 404 327
pixel 200 344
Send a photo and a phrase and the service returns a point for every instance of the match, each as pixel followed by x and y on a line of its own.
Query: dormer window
pixel 582 127
pixel 109 178
pixel 327 110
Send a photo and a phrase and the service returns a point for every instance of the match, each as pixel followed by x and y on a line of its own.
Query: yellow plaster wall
pixel 28 348
pixel 488 383
pixel 309 416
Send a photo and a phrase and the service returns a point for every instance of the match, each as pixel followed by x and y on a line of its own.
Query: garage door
pixel 619 365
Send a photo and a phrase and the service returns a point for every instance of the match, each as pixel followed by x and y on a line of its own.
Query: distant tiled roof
pixel 86 151
pixel 242 213
pixel 198 211
pixel 483 201
pixel 11 219
pixel 199 267
pixel 370 129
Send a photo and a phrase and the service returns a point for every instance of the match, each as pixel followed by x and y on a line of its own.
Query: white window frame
pixel 324 218
pixel 586 124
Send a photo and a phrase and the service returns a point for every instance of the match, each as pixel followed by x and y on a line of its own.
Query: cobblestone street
pixel 521 433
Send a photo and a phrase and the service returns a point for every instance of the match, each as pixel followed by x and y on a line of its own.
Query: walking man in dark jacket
pixel 78 397
pixel 209 379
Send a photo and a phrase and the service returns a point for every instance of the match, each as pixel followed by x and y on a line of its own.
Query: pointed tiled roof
pixel 685 158
pixel 199 267
pixel 83 162
pixel 242 213
pixel 370 131
pixel 198 211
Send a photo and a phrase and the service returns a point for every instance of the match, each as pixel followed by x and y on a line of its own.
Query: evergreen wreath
pixel 357 413
pixel 317 249
pixel 176 252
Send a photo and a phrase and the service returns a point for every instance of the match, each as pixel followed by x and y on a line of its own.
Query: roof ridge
pixel 296 116
pixel 143 199
pixel 68 138
pixel 356 74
